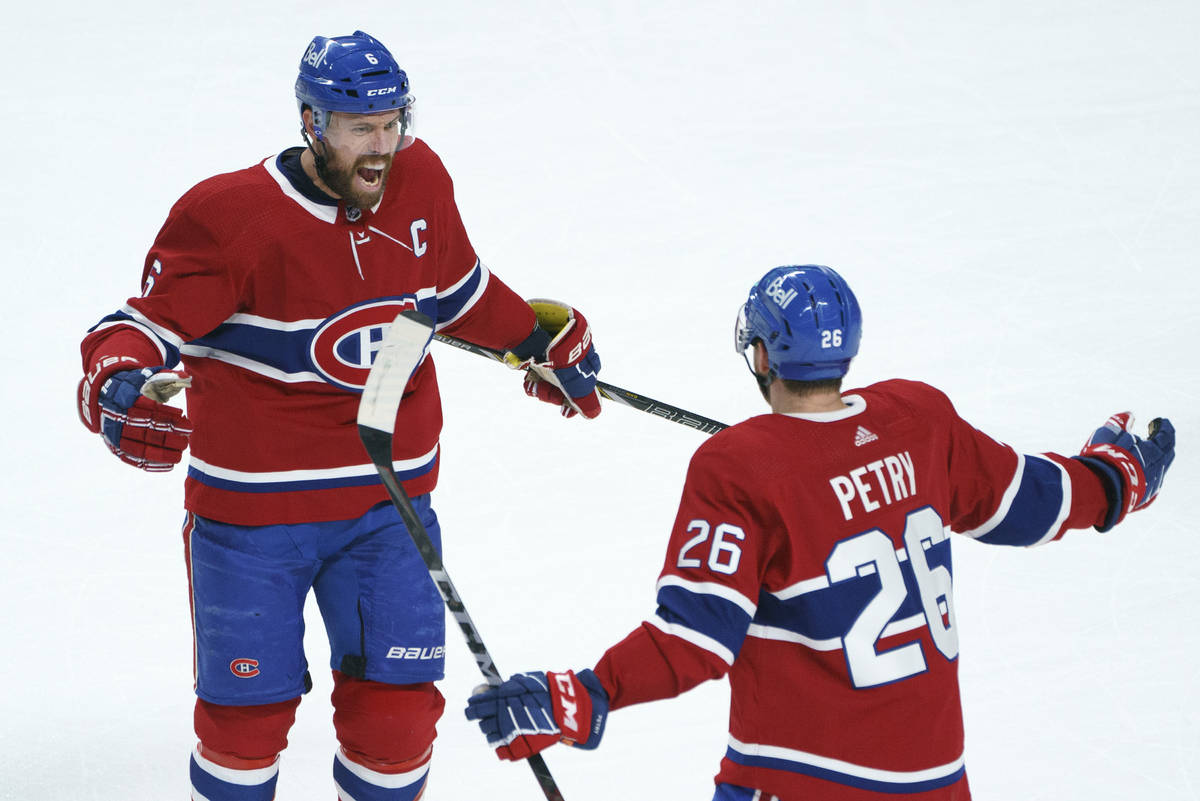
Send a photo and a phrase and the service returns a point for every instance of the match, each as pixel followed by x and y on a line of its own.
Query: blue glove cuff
pixel 1114 488
pixel 599 708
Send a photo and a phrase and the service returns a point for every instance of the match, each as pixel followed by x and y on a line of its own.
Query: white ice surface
pixel 1012 188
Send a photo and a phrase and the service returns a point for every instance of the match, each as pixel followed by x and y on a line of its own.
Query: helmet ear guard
pixel 807 319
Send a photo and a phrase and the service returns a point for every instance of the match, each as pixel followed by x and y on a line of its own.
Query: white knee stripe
pixel 390 781
pixel 244 778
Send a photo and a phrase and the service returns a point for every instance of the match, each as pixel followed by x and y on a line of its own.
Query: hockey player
pixel 810 561
pixel 274 285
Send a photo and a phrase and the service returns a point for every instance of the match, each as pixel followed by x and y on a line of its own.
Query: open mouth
pixel 370 177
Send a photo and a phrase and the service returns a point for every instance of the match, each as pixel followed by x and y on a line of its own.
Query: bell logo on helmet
pixel 313 56
pixel 777 293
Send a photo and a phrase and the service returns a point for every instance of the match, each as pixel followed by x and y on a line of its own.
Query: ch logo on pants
pixel 244 668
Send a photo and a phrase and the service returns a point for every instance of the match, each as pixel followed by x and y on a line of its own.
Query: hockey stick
pixel 613 393
pixel 398 357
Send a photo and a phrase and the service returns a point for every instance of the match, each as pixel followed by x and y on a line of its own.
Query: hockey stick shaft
pixel 611 392
pixel 376 422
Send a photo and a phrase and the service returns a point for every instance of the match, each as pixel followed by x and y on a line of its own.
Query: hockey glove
pixel 1131 468
pixel 532 711
pixel 129 412
pixel 564 371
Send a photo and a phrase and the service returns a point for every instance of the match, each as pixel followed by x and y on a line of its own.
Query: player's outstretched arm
pixel 1130 468
pixel 532 711
pixel 127 408
pixel 562 364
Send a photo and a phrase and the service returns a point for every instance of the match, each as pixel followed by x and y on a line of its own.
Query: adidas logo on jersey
pixel 863 436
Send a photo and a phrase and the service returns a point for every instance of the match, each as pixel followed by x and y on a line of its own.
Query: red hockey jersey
pixel 810 561
pixel 276 303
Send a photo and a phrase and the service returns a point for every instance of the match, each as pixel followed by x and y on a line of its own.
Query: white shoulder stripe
pixel 694 637
pixel 1005 502
pixel 273 325
pixel 709 588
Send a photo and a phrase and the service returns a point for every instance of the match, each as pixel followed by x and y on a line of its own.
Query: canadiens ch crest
pixel 344 346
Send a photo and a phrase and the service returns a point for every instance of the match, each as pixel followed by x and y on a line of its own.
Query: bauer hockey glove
pixel 563 370
pixel 129 412
pixel 532 711
pixel 1130 468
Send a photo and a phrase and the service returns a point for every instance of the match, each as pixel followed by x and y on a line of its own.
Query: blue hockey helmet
pixel 354 74
pixel 808 320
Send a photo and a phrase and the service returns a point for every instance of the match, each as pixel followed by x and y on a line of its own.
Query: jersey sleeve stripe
pixel 457 300
pixel 168 336
pixel 847 773
pixel 1038 508
pixel 1064 511
pixel 708 588
pixel 694 637
pixel 1010 494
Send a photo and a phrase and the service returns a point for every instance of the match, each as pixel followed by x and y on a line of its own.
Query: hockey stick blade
pixel 666 411
pixel 399 356
pixel 397 359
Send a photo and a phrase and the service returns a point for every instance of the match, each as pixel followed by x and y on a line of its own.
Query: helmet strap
pixel 318 157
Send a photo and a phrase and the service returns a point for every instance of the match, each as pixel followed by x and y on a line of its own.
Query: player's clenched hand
pixel 128 410
pixel 532 711
pixel 564 371
pixel 1131 468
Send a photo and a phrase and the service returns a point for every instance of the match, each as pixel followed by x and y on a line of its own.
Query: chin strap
pixel 318 159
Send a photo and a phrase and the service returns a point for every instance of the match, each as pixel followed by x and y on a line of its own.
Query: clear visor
pixel 408 122
pixel 742 336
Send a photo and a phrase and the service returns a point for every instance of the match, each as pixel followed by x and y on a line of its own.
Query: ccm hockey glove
pixel 532 711
pixel 129 412
pixel 1131 468
pixel 562 372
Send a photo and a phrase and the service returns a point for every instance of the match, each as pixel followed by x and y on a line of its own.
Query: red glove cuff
pixel 572 706
pixel 88 393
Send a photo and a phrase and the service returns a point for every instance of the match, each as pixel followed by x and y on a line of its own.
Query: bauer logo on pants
pixel 244 668
pixel 344 346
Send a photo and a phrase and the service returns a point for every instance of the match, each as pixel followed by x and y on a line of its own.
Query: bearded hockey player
pixel 274 286
pixel 810 562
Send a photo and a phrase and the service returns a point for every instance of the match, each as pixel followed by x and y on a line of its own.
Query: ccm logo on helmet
pixel 244 668
pixel 385 91
pixel 344 346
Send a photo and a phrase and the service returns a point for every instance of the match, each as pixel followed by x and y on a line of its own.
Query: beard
pixel 343 178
